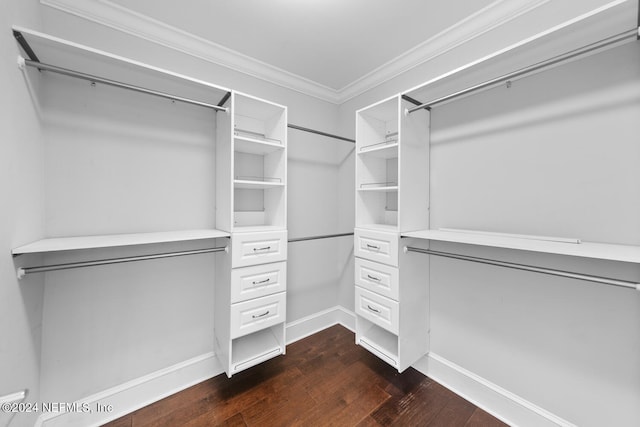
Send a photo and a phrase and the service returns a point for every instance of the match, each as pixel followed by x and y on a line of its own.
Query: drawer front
pixel 376 277
pixel 382 311
pixel 258 281
pixel 256 314
pixel 258 248
pixel 376 246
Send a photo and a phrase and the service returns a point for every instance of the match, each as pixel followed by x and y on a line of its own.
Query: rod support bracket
pixel 20 273
pixel 21 63
pixel 405 250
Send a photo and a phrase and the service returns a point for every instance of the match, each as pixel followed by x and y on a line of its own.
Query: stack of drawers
pixel 377 293
pixel 251 316
pixel 391 315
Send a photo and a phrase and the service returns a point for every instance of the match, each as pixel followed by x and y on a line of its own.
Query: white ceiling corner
pixel 120 18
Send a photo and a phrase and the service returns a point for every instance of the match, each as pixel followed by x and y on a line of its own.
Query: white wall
pixel 21 186
pixel 556 155
pixel 552 155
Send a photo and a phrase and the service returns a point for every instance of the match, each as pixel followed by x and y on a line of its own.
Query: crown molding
pixel 496 14
pixel 119 18
pixel 127 21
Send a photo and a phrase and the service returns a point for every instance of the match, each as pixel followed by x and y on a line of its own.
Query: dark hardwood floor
pixel 323 380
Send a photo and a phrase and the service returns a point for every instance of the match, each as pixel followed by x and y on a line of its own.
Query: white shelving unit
pixel 61 56
pixel 252 169
pixel 392 157
pixel 114 240
pixel 252 204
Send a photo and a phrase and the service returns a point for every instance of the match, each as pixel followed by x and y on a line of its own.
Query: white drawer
pixel 258 248
pixel 256 314
pixel 380 310
pixel 258 280
pixel 376 277
pixel 376 246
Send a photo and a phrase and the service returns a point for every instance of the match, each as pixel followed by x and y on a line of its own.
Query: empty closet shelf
pixel 383 150
pixel 114 240
pixel 257 183
pixel 604 251
pixel 255 136
pixel 379 186
pixel 254 146
pixel 52 54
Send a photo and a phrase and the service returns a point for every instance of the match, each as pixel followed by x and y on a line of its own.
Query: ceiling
pixel 330 42
pixel 330 49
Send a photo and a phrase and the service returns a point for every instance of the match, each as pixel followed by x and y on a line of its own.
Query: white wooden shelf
pixel 604 251
pixel 257 228
pixel 380 227
pixel 382 151
pixel 256 185
pixel 255 146
pixel 383 343
pixel 114 240
pixel 389 189
pixel 252 349
pixel 84 59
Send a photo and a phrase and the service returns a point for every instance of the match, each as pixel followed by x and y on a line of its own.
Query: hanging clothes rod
pixel 54 267
pixel 525 267
pixel 342 138
pixel 115 83
pixel 624 36
pixel 325 236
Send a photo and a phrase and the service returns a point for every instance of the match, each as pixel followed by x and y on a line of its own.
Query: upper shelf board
pixel 248 145
pixel 115 240
pixel 381 150
pixel 77 57
pixel 256 185
pixel 600 23
pixel 604 251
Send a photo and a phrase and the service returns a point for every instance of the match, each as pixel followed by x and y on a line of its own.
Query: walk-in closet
pixel 354 213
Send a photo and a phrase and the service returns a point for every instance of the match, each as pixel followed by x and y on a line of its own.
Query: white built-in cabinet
pixel 392 196
pixel 251 177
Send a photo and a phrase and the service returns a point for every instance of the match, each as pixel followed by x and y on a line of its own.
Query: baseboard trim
pixel 137 393
pixel 309 325
pixel 501 403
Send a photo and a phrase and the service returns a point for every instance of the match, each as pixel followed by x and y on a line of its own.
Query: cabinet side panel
pixel 222 308
pixel 224 162
pixel 413 173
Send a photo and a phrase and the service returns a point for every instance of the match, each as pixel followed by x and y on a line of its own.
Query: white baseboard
pixel 135 394
pixel 309 325
pixel 500 403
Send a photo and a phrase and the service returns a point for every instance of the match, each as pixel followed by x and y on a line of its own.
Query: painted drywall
pixel 113 167
pixel 21 186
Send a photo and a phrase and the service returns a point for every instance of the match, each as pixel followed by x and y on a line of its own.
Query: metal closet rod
pixel 324 236
pixel 633 33
pixel 115 83
pixel 525 267
pixel 54 267
pixel 342 138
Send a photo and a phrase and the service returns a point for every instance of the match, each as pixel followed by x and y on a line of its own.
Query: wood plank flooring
pixel 323 380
